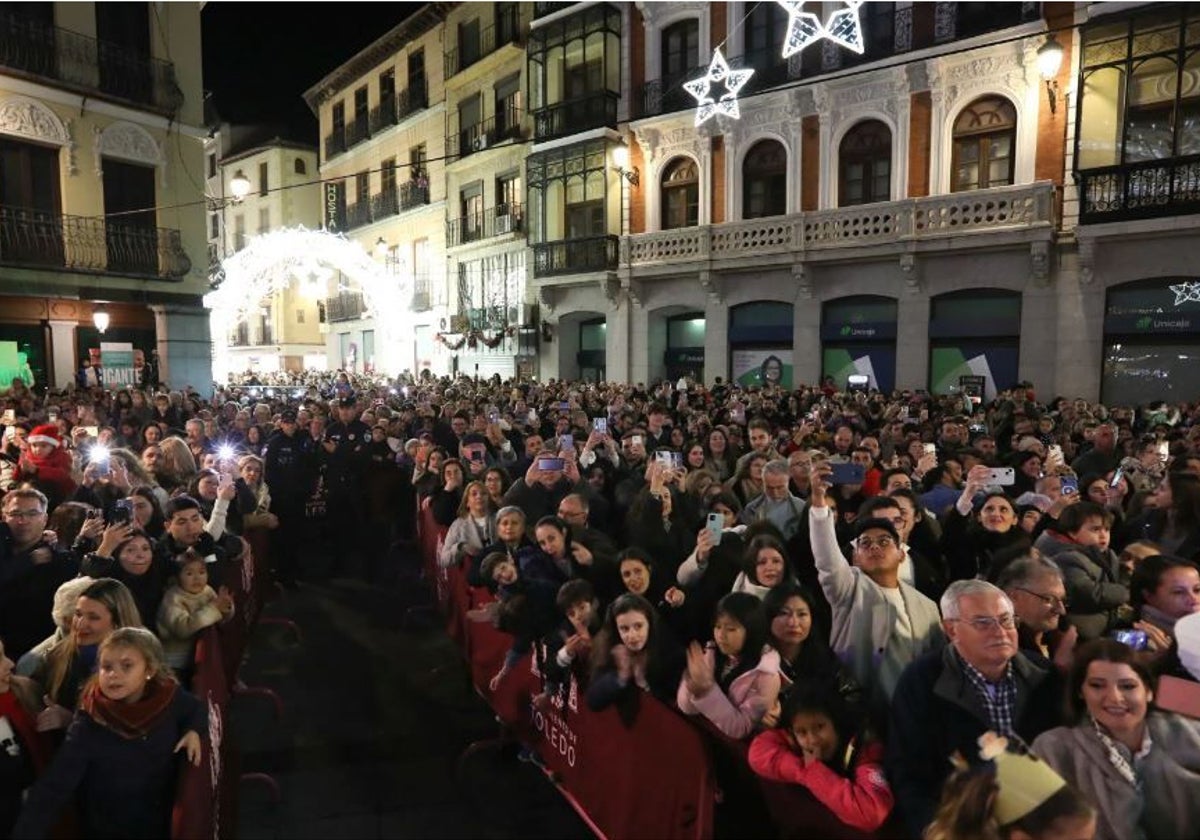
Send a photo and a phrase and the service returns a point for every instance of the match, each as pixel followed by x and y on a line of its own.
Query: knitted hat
pixel 45 433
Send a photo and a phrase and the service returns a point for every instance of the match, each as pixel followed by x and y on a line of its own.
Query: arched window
pixel 865 164
pixel 301 169
pixel 764 180
pixel 680 194
pixel 984 140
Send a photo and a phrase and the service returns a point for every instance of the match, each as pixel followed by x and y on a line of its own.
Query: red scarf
pixel 129 720
pixel 25 727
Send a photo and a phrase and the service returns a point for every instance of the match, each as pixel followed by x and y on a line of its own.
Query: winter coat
pixel 180 617
pixel 123 787
pixel 1168 807
pixel 465 537
pixel 936 711
pixel 970 549
pixel 738 711
pixel 863 617
pixel 147 588
pixel 863 801
pixel 1094 581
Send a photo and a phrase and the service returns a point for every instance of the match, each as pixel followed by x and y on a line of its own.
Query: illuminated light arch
pixel 273 261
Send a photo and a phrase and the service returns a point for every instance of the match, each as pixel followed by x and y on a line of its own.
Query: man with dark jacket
pixel 945 700
pixel 345 456
pixel 31 570
pixel 289 466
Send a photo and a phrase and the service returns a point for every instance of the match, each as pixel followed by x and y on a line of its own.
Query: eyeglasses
pixel 882 542
pixel 987 623
pixel 1050 601
pixel 22 514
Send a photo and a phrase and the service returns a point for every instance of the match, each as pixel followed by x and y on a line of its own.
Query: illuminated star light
pixel 727 103
pixel 805 28
pixel 1186 292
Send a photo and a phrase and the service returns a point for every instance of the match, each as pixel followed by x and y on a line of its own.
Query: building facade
pixel 100 108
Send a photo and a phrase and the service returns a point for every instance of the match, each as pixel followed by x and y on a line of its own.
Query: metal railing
pixel 241 335
pixel 379 119
pixel 358 214
pixel 505 30
pixel 357 131
pixel 344 306
pixel 665 95
pixel 420 298
pixel 388 202
pixel 494 221
pixel 90 244
pixel 483 135
pixel 1141 190
pixel 77 61
pixel 594 110
pixel 335 143
pixel 541 8
pixel 413 194
pixel 382 115
pixel 574 256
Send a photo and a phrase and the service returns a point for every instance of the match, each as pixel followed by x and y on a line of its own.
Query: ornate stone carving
pixel 802 278
pixel 21 116
pixel 1087 260
pixel 1039 262
pixel 654 13
pixel 910 273
pixel 611 287
pixel 126 141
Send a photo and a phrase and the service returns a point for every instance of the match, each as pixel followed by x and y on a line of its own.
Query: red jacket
pixel 53 475
pixel 863 802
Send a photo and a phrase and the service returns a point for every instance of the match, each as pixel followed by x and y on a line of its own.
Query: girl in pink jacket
pixel 735 679
pixel 819 744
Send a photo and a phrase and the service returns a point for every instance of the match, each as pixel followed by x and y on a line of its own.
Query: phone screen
pixel 551 464
pixel 600 425
pixel 1117 476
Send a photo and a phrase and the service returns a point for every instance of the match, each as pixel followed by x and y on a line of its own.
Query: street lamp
pixel 100 318
pixel 1049 58
pixel 621 161
pixel 239 186
pixel 381 247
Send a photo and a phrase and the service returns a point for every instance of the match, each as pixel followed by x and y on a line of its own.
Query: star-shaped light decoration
pixel 1186 292
pixel 726 103
pixel 805 28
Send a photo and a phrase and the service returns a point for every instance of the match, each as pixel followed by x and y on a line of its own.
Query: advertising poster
pixel 997 365
pixel 13 365
pixel 877 363
pixel 762 365
pixel 117 363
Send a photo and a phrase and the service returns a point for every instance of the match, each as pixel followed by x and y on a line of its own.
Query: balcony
pixel 666 95
pixel 494 221
pixel 595 110
pixel 420 296
pixel 33 49
pixel 241 336
pixel 1145 190
pixel 541 8
pixel 33 239
pixel 345 306
pixel 506 30
pixel 825 233
pixel 413 194
pixel 388 202
pixel 379 119
pixel 483 135
pixel 358 214
pixel 575 256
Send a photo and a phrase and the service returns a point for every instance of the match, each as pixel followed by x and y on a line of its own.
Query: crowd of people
pixel 900 602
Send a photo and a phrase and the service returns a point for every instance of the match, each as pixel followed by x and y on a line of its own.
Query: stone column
pixel 912 340
pixel 716 340
pixel 806 341
pixel 62 348
pixel 617 360
pixel 184 347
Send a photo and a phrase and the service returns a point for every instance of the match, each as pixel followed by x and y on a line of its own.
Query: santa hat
pixel 45 434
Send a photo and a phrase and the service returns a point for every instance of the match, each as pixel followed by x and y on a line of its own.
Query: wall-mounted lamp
pixel 1049 58
pixel 381 247
pixel 100 318
pixel 621 164
pixel 239 186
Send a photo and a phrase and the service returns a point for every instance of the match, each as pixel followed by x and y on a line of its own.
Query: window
pixel 263 185
pixel 360 104
pixel 865 164
pixel 416 75
pixel 387 87
pixel 984 138
pixel 508 195
pixel 567 193
pixel 338 117
pixel 264 219
pixel 300 167
pixel 764 180
pixel 765 29
pixel 469 130
pixel 387 176
pixel 508 105
pixel 680 194
pixel 212 165
pixel 417 156
pixel 214 226
pixel 362 186
pixel 468 43
pixel 239 232
pixel 680 50
pixel 29 176
pixel 471 211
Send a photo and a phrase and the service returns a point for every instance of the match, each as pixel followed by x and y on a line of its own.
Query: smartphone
pixel 122 512
pixel 566 443
pixel 715 524
pixel 600 425
pixel 493 416
pixel 52 415
pixel 1117 476
pixel 676 461
pixel 564 406
pixel 1004 476
pixel 10 416
pixel 551 464
pixel 1164 451
pixel 846 473
pixel 663 457
pixel 1136 639
pixel 931 449
pixel 92 431
pixel 1070 485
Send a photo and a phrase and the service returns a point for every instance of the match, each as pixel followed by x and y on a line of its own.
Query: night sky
pixel 259 58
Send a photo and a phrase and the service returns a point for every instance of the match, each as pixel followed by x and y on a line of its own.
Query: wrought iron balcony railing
pixel 358 214
pixel 594 110
pixel 86 64
pixel 344 306
pixel 494 221
pixel 506 30
pixel 357 131
pixel 483 135
pixel 94 245
pixel 413 194
pixel 1141 190
pixel 541 8
pixel 335 143
pixel 575 256
pixel 388 202
pixel 383 116
pixel 666 95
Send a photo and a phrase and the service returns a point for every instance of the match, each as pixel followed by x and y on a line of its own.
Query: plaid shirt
pixel 999 698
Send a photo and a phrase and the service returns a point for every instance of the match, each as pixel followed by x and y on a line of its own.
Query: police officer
pixel 344 453
pixel 289 470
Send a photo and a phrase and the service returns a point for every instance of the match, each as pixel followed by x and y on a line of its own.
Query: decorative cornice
pixel 129 142
pixel 21 116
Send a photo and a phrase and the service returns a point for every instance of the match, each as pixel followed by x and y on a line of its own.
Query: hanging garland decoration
pixel 473 338
pixel 804 30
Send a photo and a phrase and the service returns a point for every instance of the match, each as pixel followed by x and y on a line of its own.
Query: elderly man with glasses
pixel 1039 597
pixel 946 700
